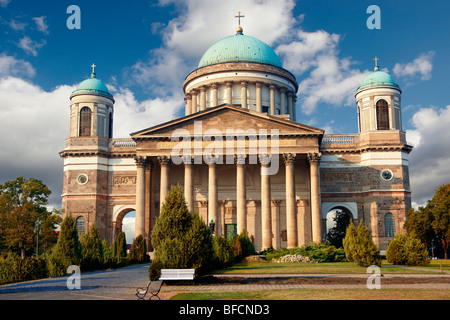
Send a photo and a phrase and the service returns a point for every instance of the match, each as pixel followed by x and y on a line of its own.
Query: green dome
pixel 92 86
pixel 239 48
pixel 377 79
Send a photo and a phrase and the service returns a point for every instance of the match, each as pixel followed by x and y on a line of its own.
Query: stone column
pixel 276 224
pixel 313 159
pixel 265 203
pixel 164 162
pixel 290 107
pixel 148 199
pixel 244 94
pixel 229 92
pixel 283 100
pixel 202 98
pixel 241 201
pixel 374 223
pixel 212 190
pixel 272 99
pixel 194 95
pixel 139 227
pixel 188 101
pixel 188 183
pixel 215 96
pixel 291 214
pixel 258 97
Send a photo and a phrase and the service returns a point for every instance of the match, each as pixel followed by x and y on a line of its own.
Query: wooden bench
pixel 153 288
pixel 177 274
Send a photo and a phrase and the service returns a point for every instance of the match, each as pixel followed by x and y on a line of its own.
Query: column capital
pixel 276 202
pixel 187 159
pixel 265 159
pixel 240 158
pixel 188 96
pixel 229 84
pixel 202 88
pixel 258 84
pixel 140 161
pixel 211 159
pixel 193 92
pixel 289 158
pixel 148 164
pixel 314 157
pixel 215 85
pixel 244 84
pixel 164 160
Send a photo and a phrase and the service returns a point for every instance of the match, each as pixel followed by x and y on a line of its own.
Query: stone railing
pixel 340 140
pixel 122 143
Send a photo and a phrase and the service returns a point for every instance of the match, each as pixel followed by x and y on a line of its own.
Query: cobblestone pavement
pixel 121 284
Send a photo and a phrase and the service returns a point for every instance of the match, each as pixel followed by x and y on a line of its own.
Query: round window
pixel 386 175
pixel 82 179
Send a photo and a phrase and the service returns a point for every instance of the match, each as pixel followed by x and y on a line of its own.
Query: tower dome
pixel 92 86
pixel 377 79
pixel 240 48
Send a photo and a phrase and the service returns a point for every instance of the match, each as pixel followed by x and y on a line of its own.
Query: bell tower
pixel 378 100
pixel 86 154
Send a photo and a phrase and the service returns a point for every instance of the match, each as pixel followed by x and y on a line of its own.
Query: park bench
pixel 177 274
pixel 153 288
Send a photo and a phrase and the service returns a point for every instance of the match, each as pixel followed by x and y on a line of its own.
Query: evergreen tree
pixel 359 246
pixel 121 245
pixel 337 234
pixel 180 238
pixel 92 250
pixel 67 250
pixel 406 250
pixel 138 250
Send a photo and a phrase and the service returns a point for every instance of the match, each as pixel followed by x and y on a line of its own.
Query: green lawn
pixel 332 267
pixel 316 294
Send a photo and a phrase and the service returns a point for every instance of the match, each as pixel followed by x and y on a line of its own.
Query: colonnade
pixel 196 99
pixel 270 238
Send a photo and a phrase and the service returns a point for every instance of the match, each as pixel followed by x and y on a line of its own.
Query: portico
pixel 254 181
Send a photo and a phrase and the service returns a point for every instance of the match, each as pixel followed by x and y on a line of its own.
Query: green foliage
pixel 92 250
pixel 22 204
pixel 359 246
pixel 223 253
pixel 337 234
pixel 15 269
pixel 320 252
pixel 67 250
pixel 407 250
pixel 180 238
pixel 121 245
pixel 138 251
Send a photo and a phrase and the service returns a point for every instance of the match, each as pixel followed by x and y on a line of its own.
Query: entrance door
pixel 230 230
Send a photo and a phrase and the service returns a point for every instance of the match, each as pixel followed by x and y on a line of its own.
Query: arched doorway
pixel 337 221
pixel 124 220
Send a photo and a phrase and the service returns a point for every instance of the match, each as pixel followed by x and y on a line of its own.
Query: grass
pixel 316 294
pixel 326 268
pixel 320 294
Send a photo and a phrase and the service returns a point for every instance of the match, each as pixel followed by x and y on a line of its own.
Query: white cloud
pixel 421 66
pixel 328 78
pixel 14 67
pixel 429 160
pixel 201 23
pixel 30 46
pixel 41 24
pixel 128 226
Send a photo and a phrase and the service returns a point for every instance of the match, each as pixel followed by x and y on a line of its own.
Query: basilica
pixel 243 160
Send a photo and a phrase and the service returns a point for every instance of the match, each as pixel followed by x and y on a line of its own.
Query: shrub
pixel 138 251
pixel 223 253
pixel 406 250
pixel 15 269
pixel 318 252
pixel 180 238
pixel 92 250
pixel 359 246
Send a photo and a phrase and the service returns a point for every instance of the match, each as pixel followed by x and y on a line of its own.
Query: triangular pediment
pixel 226 119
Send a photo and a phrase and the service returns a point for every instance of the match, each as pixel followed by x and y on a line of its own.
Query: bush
pixel 242 246
pixel 15 269
pixel 138 251
pixel 180 238
pixel 318 252
pixel 92 250
pixel 223 253
pixel 406 250
pixel 359 246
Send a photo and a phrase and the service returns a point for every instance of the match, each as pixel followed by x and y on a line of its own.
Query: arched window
pixel 382 115
pixel 85 122
pixel 389 225
pixel 81 225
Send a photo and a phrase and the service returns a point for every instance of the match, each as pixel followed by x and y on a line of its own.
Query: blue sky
pixel 144 49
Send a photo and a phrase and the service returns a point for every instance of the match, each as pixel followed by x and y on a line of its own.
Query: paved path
pixel 121 284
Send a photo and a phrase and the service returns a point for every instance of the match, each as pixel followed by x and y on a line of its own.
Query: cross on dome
pixel 93 70
pixel 239 29
pixel 376 64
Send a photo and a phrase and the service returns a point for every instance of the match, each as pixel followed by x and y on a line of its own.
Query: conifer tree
pixel 92 249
